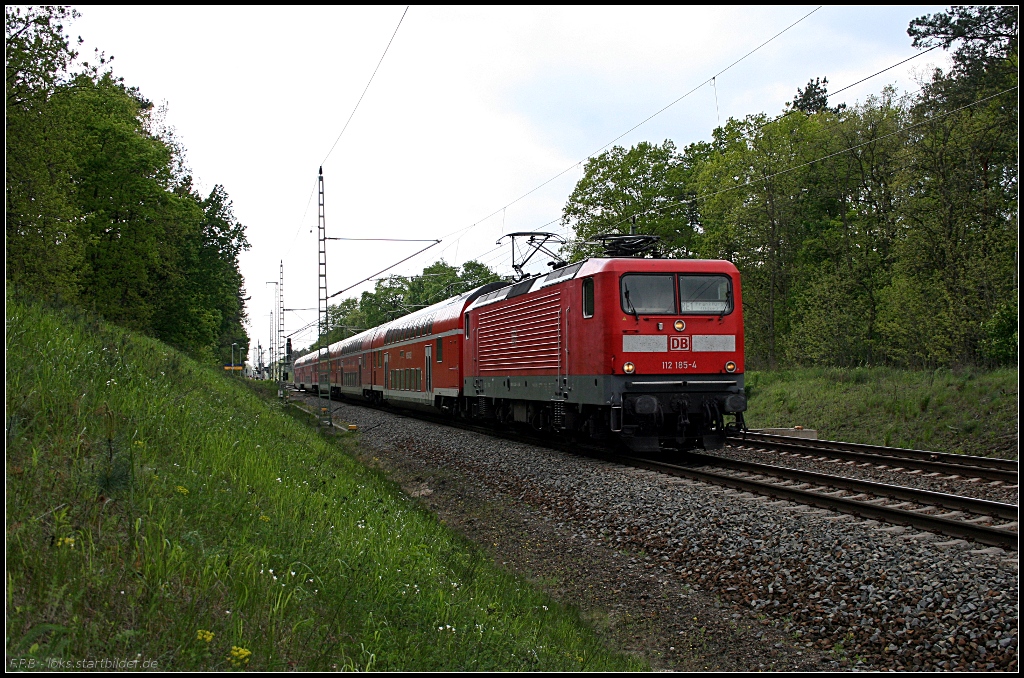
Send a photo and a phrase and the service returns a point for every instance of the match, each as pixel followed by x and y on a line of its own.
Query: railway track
pixel 986 522
pixel 964 466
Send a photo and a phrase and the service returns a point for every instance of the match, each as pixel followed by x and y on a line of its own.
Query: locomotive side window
pixel 648 294
pixel 705 294
pixel 588 298
pixel 467 326
pixel 440 350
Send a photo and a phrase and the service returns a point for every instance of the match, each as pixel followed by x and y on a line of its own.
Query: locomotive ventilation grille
pixel 521 336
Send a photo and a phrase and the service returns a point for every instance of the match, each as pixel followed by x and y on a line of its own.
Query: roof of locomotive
pixel 599 265
pixel 626 264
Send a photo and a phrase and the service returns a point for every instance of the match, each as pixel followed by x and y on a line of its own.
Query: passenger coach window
pixel 648 294
pixel 705 294
pixel 588 298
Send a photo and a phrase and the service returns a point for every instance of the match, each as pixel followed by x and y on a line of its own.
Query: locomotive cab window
pixel 588 298
pixel 648 294
pixel 710 294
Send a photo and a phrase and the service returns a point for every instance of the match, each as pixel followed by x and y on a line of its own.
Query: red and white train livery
pixel 648 350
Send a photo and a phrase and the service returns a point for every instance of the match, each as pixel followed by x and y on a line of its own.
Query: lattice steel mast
pixel 323 354
pixel 281 355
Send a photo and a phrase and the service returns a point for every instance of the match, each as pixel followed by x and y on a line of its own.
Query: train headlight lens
pixel 679 325
pixel 629 368
pixel 730 366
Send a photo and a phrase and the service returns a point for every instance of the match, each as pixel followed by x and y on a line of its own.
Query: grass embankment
pixel 159 511
pixel 965 411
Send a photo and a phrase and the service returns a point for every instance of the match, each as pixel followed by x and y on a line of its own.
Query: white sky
pixel 471 108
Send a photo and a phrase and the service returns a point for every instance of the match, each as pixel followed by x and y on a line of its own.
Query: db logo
pixel 679 343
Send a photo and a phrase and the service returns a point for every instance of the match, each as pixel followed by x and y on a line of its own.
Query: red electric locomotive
pixel 646 350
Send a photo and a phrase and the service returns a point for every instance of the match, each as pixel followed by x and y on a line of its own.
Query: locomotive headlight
pixel 679 325
pixel 629 368
pixel 730 366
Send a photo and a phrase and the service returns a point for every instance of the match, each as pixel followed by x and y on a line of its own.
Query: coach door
pixel 428 370
pixel 387 373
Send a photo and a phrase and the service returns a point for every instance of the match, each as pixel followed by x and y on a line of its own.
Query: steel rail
pixel 953 502
pixel 883 456
pixel 981 533
pixel 901 452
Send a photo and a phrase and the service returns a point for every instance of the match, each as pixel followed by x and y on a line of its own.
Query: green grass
pixel 966 411
pixel 161 511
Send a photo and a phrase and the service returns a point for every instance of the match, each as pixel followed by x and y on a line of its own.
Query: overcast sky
pixel 471 108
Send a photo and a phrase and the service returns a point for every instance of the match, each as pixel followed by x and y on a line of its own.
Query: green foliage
pixel 620 185
pixel 882 233
pixel 969 410
pixel 44 247
pixel 99 209
pixel 1000 341
pixel 37 51
pixel 162 510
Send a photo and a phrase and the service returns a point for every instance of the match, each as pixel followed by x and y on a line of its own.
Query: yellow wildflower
pixel 205 636
pixel 182 490
pixel 66 541
pixel 239 656
pixel 265 519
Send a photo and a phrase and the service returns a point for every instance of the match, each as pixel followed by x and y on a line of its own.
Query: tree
pixel 813 98
pixel 386 302
pixel 621 186
pixel 847 254
pixel 38 53
pixel 44 246
pixel 396 296
pixel 100 210
pixel 957 258
pixel 986 35
pixel 202 299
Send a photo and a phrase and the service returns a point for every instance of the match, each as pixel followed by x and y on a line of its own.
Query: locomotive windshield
pixel 648 294
pixel 656 294
pixel 705 294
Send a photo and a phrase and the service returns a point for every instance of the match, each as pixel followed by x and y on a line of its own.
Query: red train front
pixel 650 350
pixel 646 350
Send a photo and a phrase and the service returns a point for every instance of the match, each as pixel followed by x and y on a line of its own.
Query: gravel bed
pixel 789 579
pixel 923 480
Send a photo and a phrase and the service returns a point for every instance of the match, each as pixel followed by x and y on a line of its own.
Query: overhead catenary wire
pixel 368 83
pixel 711 80
pixel 766 123
pixel 345 126
pixel 433 244
pixel 634 127
pixel 349 120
